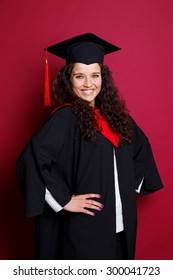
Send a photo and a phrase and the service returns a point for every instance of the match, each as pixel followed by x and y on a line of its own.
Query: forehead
pixel 86 68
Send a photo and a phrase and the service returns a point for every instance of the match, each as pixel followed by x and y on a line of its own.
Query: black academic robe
pixel 57 158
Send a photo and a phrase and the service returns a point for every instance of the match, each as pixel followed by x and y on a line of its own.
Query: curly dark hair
pixel 108 102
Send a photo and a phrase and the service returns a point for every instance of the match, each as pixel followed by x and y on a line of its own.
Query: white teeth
pixel 87 91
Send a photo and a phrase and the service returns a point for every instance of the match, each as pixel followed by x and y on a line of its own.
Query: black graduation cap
pixel 86 48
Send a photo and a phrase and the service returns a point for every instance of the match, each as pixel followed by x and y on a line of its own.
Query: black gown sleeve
pixel 144 164
pixel 35 168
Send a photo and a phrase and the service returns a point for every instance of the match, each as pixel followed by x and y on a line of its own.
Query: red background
pixel 142 70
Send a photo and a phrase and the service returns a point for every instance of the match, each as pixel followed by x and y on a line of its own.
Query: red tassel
pixel 47 100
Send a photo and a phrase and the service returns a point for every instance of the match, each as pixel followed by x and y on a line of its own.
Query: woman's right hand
pixel 79 203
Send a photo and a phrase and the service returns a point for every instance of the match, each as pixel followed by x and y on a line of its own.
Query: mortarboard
pixel 86 48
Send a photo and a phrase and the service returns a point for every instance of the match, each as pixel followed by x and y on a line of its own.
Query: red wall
pixel 142 70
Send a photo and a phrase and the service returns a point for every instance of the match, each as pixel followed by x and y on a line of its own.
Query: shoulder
pixel 64 114
pixel 61 118
pixel 58 125
pixel 135 128
pixel 138 135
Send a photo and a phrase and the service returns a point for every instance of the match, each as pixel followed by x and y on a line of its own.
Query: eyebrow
pixel 84 74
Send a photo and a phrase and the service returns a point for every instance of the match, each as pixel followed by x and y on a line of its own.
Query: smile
pixel 87 91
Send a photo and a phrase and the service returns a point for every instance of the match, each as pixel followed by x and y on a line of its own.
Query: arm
pixel 138 190
pixel 147 178
pixel 37 167
pixel 35 163
pixel 52 202
pixel 77 203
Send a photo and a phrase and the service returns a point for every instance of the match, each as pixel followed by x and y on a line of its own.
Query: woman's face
pixel 86 81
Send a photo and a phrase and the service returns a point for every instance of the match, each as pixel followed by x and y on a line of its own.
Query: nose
pixel 87 82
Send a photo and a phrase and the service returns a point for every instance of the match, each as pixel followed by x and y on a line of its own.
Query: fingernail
pixel 99 195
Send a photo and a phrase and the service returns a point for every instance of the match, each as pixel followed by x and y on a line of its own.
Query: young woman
pixel 81 171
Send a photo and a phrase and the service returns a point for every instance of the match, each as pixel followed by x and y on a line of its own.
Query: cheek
pixel 99 83
pixel 76 84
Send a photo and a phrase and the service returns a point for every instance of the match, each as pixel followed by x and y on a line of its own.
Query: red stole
pixel 113 137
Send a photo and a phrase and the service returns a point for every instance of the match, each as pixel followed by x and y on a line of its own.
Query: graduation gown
pixel 57 158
